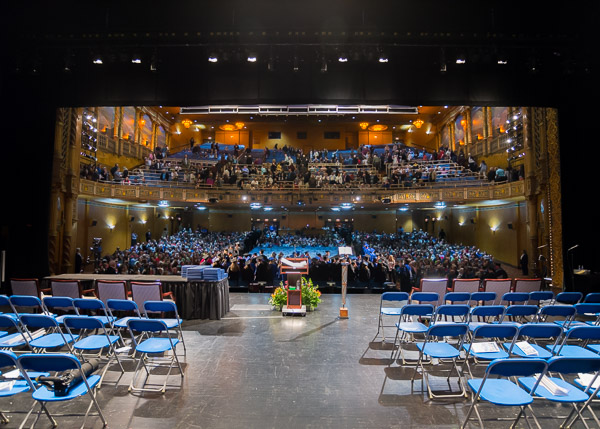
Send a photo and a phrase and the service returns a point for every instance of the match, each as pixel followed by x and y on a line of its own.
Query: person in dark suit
pixel 524 261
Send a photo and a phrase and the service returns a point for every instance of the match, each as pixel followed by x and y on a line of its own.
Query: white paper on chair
pixel 485 347
pixel 292 264
pixel 585 380
pixel 14 340
pixel 123 349
pixel 344 250
pixel 15 373
pixel 37 334
pixel 527 348
pixel 552 387
pixel 7 385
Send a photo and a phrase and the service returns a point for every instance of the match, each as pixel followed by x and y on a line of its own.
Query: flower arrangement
pixel 311 295
pixel 278 297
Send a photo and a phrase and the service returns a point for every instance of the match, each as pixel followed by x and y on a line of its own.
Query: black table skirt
pixel 195 300
pixel 200 300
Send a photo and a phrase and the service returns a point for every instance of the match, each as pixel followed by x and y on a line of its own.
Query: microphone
pixel 574 247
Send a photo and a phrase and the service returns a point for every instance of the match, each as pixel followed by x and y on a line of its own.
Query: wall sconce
pixel 143 221
pixel 461 223
pixel 494 228
pixel 111 227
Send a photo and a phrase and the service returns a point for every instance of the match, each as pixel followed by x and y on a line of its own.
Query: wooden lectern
pixel 294 268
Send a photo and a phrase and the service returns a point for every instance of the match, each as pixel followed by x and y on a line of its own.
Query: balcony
pixel 287 194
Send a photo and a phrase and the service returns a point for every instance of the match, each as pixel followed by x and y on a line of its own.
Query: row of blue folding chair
pixel 103 312
pixel 32 368
pixel 532 382
pixel 387 298
pixel 498 313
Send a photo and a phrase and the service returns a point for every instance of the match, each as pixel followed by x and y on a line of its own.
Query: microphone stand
pixel 571 268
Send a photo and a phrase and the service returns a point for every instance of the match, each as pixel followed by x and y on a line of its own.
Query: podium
pixel 293 269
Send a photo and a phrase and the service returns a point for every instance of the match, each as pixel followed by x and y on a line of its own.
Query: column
pixel 451 127
pixel 71 192
pixel 490 130
pixel 531 185
pixel 468 129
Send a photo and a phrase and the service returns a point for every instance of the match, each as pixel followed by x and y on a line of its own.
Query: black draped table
pixel 194 299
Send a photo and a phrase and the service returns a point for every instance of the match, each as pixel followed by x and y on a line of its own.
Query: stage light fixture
pixel 251 58
pixel 296 64
pixel 383 58
pixel 136 59
pixel 212 58
pixel 343 58
pixel 98 60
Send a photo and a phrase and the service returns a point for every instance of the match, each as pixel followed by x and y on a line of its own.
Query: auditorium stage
pixel 287 251
pixel 257 369
pixel 194 299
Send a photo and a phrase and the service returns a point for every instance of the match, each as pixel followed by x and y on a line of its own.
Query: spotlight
pixel 136 59
pixel 251 58
pixel 461 59
pixel 212 58
pixel 296 64
pixel 383 58
pixel 97 60
pixel 343 58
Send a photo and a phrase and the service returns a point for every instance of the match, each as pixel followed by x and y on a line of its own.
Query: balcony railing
pixel 284 192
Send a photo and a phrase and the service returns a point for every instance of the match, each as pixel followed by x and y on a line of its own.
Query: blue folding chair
pixel 385 309
pixel 5 303
pixel 97 306
pixel 570 394
pixel 43 395
pixel 538 296
pixel 518 314
pixel 583 333
pixel 166 307
pixel 16 339
pixel 535 332
pixel 153 345
pixel 123 306
pixel 51 338
pixel 480 298
pixel 59 303
pixel 558 313
pixel 502 391
pixel 488 337
pixel 436 346
pixel 583 310
pixel 569 298
pixel 8 360
pixel 451 313
pixel 513 298
pixel 457 297
pixel 592 298
pixel 408 326
pixel 30 303
pixel 100 342
pixel 484 315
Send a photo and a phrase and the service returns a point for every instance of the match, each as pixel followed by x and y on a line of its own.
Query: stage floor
pixel 257 369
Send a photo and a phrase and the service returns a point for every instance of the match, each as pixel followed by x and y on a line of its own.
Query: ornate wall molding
pixel 555 202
